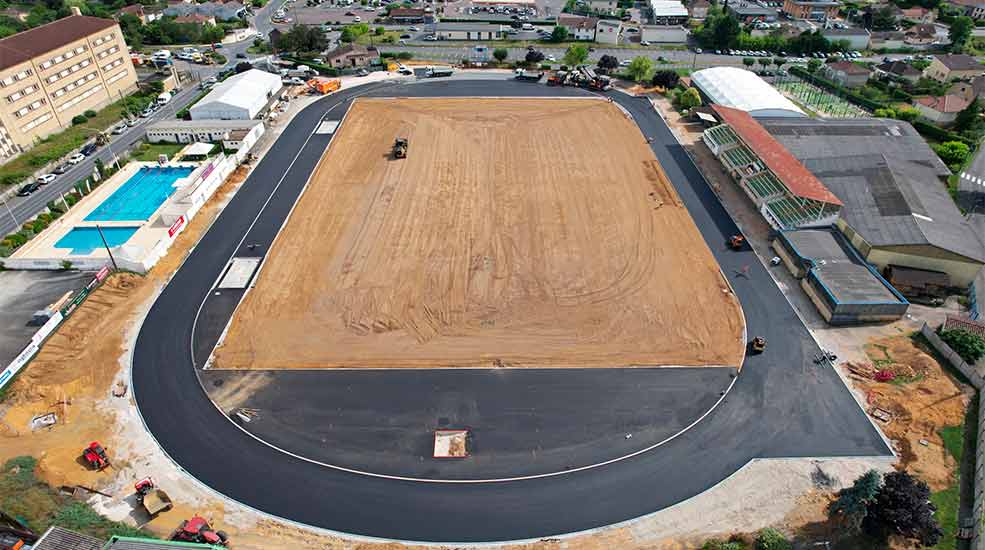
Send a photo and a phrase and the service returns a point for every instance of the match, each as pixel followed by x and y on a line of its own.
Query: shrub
pixel 715 544
pixel 79 119
pixel 38 226
pixel 968 345
pixel 5 250
pixel 66 265
pixel 771 539
pixel 71 200
pixel 405 55
pixel 89 113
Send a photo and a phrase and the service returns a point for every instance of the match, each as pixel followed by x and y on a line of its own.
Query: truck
pixel 559 78
pixel 528 76
pixel 436 72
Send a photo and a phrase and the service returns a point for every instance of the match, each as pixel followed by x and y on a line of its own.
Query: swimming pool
pixel 83 240
pixel 140 196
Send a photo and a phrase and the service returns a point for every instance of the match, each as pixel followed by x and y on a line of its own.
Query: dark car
pixel 349 14
pixel 89 149
pixel 405 36
pixel 241 55
pixel 28 189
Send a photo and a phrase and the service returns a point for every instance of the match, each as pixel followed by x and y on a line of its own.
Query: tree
pixel 883 19
pixel 884 113
pixel 813 65
pixel 771 539
pixel 690 98
pixel 852 502
pixel 902 507
pixel 765 62
pixel 575 55
pixel 608 62
pixel 968 345
pixel 907 114
pixel 302 38
pixel 953 153
pixel 380 31
pixel 501 54
pixel 960 32
pixel 534 56
pixel 720 30
pixel 779 61
pixel 748 61
pixel 969 118
pixel 559 34
pixel 666 79
pixel 640 68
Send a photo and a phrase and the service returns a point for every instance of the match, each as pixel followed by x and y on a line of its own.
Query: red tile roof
pixel 949 103
pixel 798 179
pixel 31 43
pixel 848 67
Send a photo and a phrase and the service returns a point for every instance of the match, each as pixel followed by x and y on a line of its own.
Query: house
pixel 698 9
pixel 136 10
pixel 195 19
pixel 607 31
pixel 605 7
pixel 974 9
pixel 896 12
pixel 941 110
pixel 664 34
pixel 969 90
pixel 899 70
pixel 922 34
pixel 408 15
pixel 578 27
pixel 918 14
pixel 749 12
pixel 350 55
pixel 668 12
pixel 858 39
pixel 886 40
pixel 951 66
pixel 847 73
pixel 811 10
pixel 469 31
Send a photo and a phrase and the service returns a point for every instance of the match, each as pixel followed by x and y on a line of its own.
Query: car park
pixel 28 189
pixel 45 179
pixel 76 158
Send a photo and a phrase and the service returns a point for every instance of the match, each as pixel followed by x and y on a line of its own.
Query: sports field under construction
pixel 516 233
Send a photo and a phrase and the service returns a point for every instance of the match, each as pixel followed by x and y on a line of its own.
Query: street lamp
pixel 9 211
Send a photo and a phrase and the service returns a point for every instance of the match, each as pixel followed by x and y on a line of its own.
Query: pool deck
pixel 42 248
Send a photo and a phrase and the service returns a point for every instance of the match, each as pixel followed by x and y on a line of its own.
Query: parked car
pixel 89 149
pixel 357 19
pixel 119 128
pixel 431 38
pixel 240 55
pixel 147 112
pixel 45 179
pixel 624 63
pixel 76 158
pixel 644 43
pixel 28 189
pixel 551 58
pixel 293 81
pixel 349 14
pixel 414 29
pixel 405 37
pixel 62 168
pixel 362 72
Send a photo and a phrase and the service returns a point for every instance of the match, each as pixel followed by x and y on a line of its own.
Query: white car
pixel 624 63
pixel 644 43
pixel 120 128
pixel 76 158
pixel 414 29
pixel 551 58
pixel 45 179
pixel 357 19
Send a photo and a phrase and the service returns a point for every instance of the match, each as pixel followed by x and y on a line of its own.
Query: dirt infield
pixel 517 233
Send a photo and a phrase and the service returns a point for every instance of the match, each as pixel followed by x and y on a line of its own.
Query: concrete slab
pixel 239 273
pixel 21 294
pixel 327 127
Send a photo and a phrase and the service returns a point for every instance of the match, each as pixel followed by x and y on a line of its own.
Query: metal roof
pixel 131 543
pixel 56 538
pixel 242 90
pixel 743 90
pixel 891 182
pixel 667 8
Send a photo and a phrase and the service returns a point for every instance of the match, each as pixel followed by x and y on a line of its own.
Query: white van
pixel 528 27
pixel 164 98
pixel 162 54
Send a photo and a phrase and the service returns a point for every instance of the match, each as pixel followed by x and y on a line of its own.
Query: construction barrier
pixel 25 356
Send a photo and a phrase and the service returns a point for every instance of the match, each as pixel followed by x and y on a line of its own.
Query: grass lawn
pixel 948 501
pixel 148 151
pixel 389 37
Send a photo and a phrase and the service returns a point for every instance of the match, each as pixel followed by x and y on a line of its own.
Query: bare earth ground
pixel 517 233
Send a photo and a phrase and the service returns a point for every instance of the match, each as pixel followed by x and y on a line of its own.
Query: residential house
pixel 749 12
pixel 605 7
pixel 889 40
pixel 918 14
pixel 607 31
pixel 922 34
pixel 350 55
pixel 941 109
pixel 899 70
pixel 857 39
pixel 698 9
pixel 969 90
pixel 196 19
pixel 952 66
pixel 974 9
pixel 578 27
pixel 811 10
pixel 469 31
pixel 847 73
pixel 664 34
pixel 136 10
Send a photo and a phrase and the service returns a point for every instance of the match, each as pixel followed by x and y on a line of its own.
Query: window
pixel 80 98
pixel 116 77
pixel 36 122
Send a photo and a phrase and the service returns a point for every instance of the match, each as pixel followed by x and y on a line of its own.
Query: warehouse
pixel 743 90
pixel 786 194
pixel 843 288
pixel 239 97
pixel 896 207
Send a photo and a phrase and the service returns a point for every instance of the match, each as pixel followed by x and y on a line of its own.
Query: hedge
pixel 940 134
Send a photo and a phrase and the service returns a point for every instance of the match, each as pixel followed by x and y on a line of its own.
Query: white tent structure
pixel 744 90
pixel 239 97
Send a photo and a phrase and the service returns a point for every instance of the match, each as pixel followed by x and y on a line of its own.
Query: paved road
pixel 782 404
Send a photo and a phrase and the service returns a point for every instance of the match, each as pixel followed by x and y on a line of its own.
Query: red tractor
pixel 95 456
pixel 198 530
pixel 737 242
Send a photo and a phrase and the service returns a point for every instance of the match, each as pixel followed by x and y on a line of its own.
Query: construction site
pixel 500 233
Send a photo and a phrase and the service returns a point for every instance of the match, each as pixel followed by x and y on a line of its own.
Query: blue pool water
pixel 83 240
pixel 140 196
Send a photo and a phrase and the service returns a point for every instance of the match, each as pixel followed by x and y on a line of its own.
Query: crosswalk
pixel 973 179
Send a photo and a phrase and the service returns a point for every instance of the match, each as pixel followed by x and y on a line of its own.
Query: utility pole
pixel 108 251
pixel 9 211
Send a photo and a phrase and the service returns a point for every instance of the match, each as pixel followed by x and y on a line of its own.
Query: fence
pixel 978 542
pixel 45 331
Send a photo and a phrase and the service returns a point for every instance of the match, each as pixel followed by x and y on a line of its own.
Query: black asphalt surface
pixel 782 405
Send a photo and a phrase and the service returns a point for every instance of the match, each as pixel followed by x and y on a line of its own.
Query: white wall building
pixel 743 90
pixel 234 134
pixel 239 97
pixel 607 31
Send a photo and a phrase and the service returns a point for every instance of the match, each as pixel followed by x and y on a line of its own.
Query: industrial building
pixel 743 90
pixel 668 12
pixel 52 73
pixel 239 97
pixel 842 286
pixel 783 190
pixel 897 211
pixel 469 31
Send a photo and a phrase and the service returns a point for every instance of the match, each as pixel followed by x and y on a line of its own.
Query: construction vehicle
pixel 198 530
pixel 400 148
pixel 736 242
pixel 324 85
pixel 14 534
pixel 436 72
pixel 153 500
pixel 557 79
pixel 758 344
pixel 95 456
pixel 528 76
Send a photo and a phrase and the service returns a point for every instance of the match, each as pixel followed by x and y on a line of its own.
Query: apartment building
pixel 54 72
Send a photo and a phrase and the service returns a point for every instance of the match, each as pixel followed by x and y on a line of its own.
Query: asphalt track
pixel 782 405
